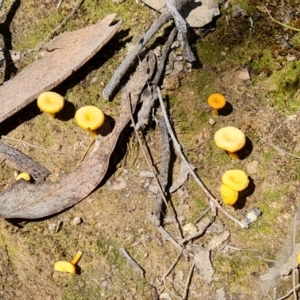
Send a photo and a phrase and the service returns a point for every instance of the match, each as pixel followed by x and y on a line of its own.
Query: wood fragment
pixel 58 63
pixel 164 169
pixel 132 262
pixel 177 147
pixel 32 201
pixel 24 163
pixel 134 52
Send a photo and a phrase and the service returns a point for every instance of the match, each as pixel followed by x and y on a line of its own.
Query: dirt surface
pixel 251 60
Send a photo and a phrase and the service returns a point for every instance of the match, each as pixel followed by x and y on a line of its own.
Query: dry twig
pixel 188 280
pixel 172 266
pixel 132 262
pixel 177 147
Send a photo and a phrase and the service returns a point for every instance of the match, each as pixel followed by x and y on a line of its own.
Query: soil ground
pixel 266 105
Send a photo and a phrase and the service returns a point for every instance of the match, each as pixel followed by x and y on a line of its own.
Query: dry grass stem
pixel 32 146
pixel 278 149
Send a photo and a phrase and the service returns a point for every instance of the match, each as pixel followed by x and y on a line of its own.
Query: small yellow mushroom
pixel 216 101
pixel 229 196
pixel 235 179
pixel 66 266
pixel 230 139
pixel 50 102
pixel 24 176
pixel 90 118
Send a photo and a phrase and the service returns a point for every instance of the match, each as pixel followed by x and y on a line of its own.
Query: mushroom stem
pixel 76 258
pixel 233 155
pixel 215 112
pixel 92 133
pixel 51 116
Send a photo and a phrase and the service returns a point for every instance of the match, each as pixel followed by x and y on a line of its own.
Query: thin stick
pixel 289 293
pixel 132 262
pixel 278 149
pixel 199 182
pixel 202 215
pixel 172 266
pixel 188 280
pixel 282 24
pixel 32 146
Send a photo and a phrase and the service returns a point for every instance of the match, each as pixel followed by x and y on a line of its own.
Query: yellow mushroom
pixel 230 139
pixel 216 101
pixel 50 102
pixel 66 266
pixel 24 176
pixel 229 196
pixel 298 258
pixel 90 118
pixel 235 179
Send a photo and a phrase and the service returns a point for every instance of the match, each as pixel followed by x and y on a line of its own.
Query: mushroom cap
pixel 50 102
pixel 24 176
pixel 64 266
pixel 298 258
pixel 89 117
pixel 229 196
pixel 230 138
pixel 235 179
pixel 216 101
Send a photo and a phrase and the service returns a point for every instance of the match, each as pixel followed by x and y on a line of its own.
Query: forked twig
pixel 177 147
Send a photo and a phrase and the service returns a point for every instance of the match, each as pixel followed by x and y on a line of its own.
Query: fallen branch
pixel 199 182
pixel 134 52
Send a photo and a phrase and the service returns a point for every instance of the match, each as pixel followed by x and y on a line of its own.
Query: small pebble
pixel 175 44
pixel 211 121
pixel 76 221
pixel 51 227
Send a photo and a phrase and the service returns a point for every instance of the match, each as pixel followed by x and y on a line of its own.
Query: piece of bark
pixel 23 162
pixel 32 201
pixel 62 56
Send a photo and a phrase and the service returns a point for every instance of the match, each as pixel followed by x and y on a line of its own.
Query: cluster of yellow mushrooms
pixel 230 139
pixel 87 117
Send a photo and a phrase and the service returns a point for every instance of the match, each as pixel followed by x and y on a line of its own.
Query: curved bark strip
pixel 63 55
pixel 32 201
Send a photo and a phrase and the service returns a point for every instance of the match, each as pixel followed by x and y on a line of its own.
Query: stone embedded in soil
pixel 77 221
